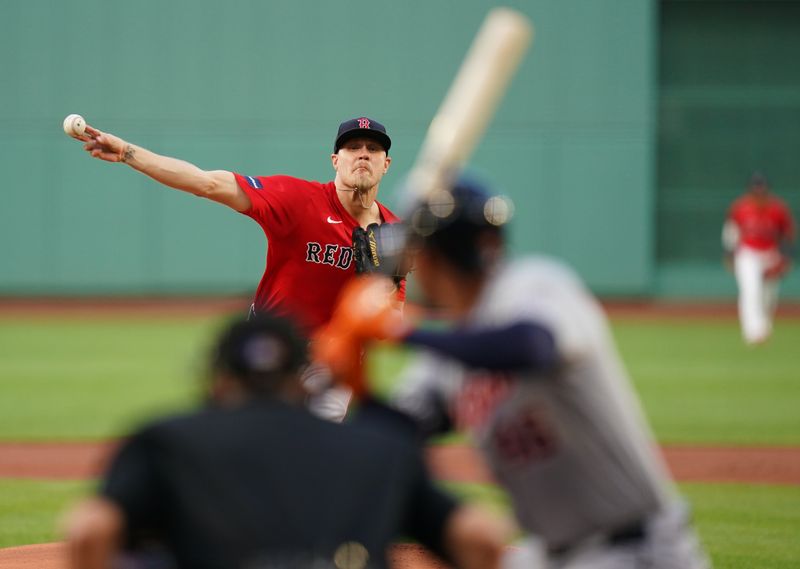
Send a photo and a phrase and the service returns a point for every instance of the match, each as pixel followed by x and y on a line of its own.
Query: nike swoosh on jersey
pixel 333 220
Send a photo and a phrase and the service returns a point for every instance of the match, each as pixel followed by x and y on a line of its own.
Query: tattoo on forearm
pixel 127 153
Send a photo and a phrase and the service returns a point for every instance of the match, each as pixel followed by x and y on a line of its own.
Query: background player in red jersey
pixel 308 225
pixel 757 236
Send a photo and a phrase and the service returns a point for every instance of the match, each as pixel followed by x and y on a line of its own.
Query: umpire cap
pixel 451 221
pixel 261 352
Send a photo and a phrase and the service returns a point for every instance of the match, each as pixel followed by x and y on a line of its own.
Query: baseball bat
pixel 452 136
pixel 471 101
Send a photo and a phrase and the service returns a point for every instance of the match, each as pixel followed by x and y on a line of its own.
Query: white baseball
pixel 74 125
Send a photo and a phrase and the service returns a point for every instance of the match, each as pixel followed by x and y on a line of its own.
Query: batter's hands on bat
pixel 365 312
pixel 103 145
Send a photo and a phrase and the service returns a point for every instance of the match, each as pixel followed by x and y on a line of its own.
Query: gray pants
pixel 669 543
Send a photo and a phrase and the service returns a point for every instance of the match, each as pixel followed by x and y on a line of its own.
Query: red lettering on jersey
pixel 363 123
pixel 525 436
pixel 478 398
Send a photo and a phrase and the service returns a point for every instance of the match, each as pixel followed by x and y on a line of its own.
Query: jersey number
pixel 524 437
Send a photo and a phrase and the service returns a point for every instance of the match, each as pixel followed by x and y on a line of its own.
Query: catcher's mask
pixel 261 353
pixel 452 222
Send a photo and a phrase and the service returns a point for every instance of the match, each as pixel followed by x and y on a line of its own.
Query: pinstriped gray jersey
pixel 571 447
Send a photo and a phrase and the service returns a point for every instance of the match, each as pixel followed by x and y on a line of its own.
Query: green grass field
pixel 93 379
pixel 700 384
pixel 89 379
pixel 30 510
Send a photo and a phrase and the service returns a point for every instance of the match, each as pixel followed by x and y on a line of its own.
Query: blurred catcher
pixel 254 481
pixel 757 236
pixel 530 369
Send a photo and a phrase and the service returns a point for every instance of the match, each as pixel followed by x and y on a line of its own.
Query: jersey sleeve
pixel 132 483
pixel 276 201
pixel 550 295
pixel 520 346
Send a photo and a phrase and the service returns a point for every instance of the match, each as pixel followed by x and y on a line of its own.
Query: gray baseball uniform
pixel 571 447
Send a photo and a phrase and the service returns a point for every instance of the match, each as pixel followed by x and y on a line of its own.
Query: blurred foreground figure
pixel 255 481
pixel 530 369
pixel 757 236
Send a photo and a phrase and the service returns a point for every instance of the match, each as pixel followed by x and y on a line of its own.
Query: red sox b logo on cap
pixel 359 127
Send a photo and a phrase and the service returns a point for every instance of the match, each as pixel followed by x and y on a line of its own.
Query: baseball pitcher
pixel 309 225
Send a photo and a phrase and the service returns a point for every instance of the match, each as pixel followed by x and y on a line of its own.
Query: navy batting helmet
pixel 452 221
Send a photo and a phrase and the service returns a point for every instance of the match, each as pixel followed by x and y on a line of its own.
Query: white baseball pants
pixel 758 296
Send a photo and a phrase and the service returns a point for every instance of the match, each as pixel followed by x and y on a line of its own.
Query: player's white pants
pixel 670 543
pixel 758 297
pixel 325 400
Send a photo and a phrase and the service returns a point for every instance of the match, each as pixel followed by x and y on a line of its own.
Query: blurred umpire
pixel 253 480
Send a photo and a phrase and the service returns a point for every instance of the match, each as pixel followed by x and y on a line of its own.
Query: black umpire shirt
pixel 269 485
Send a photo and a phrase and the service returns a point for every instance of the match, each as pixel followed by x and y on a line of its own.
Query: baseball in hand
pixel 74 125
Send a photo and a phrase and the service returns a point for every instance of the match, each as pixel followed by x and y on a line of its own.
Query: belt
pixel 632 533
pixel 626 535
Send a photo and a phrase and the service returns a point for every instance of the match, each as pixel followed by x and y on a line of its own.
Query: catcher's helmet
pixel 451 222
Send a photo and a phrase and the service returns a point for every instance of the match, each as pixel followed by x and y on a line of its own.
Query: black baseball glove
pixel 380 248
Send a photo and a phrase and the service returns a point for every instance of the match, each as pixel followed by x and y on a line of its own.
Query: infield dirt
pixel 456 463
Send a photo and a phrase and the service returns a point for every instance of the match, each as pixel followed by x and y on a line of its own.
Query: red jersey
pixel 763 223
pixel 309 245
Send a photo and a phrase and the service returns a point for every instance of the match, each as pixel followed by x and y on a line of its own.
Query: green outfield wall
pixel 620 141
pixel 728 104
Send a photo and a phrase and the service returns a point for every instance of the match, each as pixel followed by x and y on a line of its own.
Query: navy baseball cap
pixel 758 179
pixel 362 126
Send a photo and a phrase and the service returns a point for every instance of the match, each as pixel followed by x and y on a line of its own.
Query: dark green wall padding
pixel 729 104
pixel 260 87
